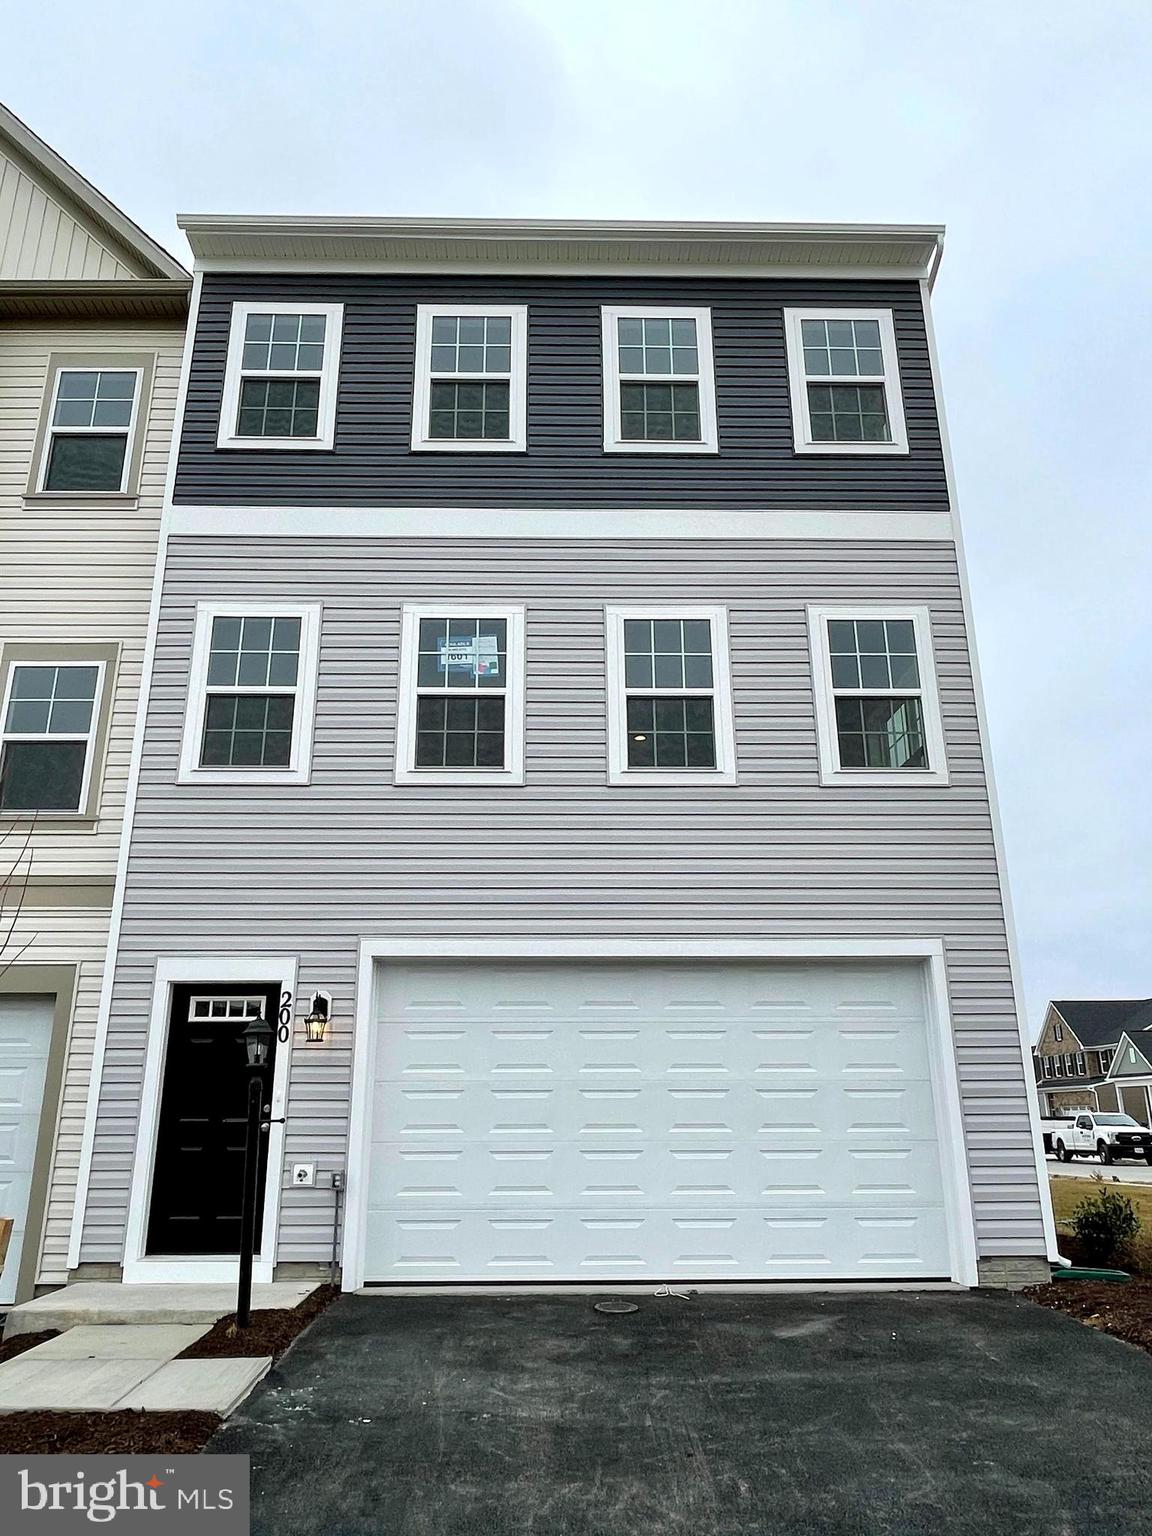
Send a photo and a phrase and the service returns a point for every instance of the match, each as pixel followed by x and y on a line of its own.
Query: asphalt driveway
pixel 722 1416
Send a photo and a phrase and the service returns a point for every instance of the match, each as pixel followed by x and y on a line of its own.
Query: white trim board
pixel 172 970
pixel 1048 1220
pixel 135 759
pixel 599 524
pixel 945 1076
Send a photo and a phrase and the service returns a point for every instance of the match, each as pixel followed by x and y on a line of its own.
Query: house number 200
pixel 285 1018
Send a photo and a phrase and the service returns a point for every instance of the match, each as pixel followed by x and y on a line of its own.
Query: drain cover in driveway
pixel 613 1307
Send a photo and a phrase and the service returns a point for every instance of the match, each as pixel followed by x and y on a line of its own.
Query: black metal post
pixel 251 1187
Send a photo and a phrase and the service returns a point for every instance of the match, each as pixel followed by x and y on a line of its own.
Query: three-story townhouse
pixel 563 725
pixel 92 315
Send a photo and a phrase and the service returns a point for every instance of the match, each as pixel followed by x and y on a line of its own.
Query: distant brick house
pixel 1096 1055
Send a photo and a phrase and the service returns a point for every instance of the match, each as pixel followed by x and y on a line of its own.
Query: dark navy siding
pixel 565 466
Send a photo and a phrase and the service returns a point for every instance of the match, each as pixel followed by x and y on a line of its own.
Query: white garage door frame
pixel 377 951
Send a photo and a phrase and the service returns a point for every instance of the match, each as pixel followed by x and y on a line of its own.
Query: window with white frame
pixel 281 376
pixel 461 707
pixel 208 1009
pixel 844 379
pixel 48 738
pixel 470 392
pixel 1057 1033
pixel 252 694
pixel 659 387
pixel 669 696
pixel 877 706
pixel 1105 1060
pixel 87 444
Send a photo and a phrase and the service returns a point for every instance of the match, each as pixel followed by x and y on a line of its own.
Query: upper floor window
pixel 86 444
pixel 669 696
pixel 1081 1065
pixel 1057 1033
pixel 1105 1060
pixel 877 709
pixel 659 390
pixel 470 390
pixel 50 727
pixel 251 694
pixel 845 381
pixel 461 710
pixel 281 375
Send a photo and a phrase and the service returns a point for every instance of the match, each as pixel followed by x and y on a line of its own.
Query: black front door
pixel 198 1175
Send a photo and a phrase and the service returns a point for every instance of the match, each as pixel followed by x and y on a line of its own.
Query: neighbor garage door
pixel 615 1121
pixel 25 1038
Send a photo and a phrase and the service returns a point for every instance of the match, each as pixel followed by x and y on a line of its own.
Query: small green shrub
pixel 1106 1223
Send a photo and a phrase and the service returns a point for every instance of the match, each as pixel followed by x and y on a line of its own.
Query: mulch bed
pixel 125 1432
pixel 1124 1311
pixel 10 1348
pixel 269 1333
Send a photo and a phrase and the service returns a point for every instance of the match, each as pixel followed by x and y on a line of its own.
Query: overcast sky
pixel 1022 124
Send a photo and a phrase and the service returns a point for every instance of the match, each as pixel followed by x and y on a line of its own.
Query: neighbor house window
pixel 281 375
pixel 1105 1060
pixel 251 695
pixel 845 381
pixel 1081 1068
pixel 470 390
pixel 877 707
pixel 1057 1033
pixel 50 718
pixel 659 391
pixel 669 696
pixel 461 715
pixel 89 435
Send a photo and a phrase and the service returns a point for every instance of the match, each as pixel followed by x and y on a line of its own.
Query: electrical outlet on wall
pixel 304 1175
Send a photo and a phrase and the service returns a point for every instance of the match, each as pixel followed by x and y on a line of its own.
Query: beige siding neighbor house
pixel 92 316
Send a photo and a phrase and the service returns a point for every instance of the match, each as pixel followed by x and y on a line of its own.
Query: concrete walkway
pixel 109 1303
pixel 98 1369
pixel 907 1415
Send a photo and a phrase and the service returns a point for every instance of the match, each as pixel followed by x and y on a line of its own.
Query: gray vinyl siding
pixel 565 465
pixel 309 870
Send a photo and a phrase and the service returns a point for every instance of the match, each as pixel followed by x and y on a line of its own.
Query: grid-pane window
pixel 877 690
pixel 200 1008
pixel 845 412
pixel 252 681
pixel 669 689
pixel 88 433
pixel 845 381
pixel 461 692
pixel 280 375
pixel 658 362
pixel 470 360
pixel 48 725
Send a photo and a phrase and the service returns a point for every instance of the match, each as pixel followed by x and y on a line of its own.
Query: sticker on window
pixel 480 656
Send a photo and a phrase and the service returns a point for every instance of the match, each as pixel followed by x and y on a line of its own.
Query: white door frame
pixel 941 1046
pixel 225 970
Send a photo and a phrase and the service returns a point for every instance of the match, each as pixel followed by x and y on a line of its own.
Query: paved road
pixel 1085 1167
pixel 942 1414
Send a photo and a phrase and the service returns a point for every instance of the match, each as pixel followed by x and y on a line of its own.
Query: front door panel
pixel 197 1180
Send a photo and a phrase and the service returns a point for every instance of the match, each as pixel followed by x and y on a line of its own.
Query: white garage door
pixel 595 1121
pixel 25 1037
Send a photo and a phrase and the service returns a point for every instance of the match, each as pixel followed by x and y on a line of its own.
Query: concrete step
pixel 100 1301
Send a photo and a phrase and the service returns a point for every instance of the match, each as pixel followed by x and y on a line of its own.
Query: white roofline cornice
pixel 911 250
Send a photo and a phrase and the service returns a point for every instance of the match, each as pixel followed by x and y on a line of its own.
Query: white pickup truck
pixel 1089 1133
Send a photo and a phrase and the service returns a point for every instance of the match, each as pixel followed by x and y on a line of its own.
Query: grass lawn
pixel 1067 1194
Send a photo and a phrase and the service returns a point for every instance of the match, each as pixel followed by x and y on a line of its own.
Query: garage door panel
pixel 548 1120
pixel 864 1108
pixel 476 1175
pixel 689 1244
